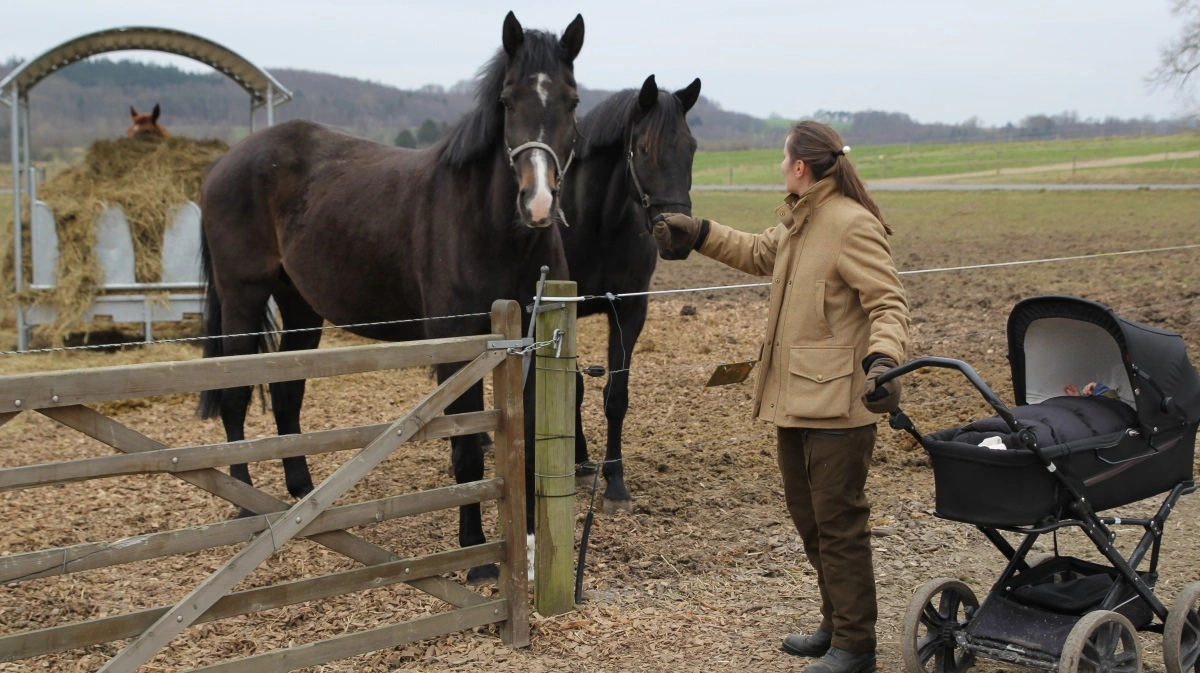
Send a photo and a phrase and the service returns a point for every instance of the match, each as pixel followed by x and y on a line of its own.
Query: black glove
pixel 678 235
pixel 881 399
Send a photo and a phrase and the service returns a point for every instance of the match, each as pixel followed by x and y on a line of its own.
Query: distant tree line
pixel 91 99
pixel 428 133
pixel 883 128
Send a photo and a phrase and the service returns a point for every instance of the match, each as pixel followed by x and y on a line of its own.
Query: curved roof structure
pixel 256 81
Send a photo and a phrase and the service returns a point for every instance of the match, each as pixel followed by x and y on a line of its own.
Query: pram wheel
pixel 1102 640
pixel 1181 634
pixel 939 610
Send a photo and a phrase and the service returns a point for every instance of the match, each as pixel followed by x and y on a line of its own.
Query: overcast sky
pixel 936 60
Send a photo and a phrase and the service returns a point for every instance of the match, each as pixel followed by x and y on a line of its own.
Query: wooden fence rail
pixel 62 395
pixel 189 458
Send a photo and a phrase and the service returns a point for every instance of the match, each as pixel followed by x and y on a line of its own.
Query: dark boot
pixel 841 661
pixel 803 645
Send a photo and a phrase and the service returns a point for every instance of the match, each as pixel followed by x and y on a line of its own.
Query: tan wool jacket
pixel 835 298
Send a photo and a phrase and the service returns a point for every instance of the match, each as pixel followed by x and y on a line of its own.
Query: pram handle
pixel 950 363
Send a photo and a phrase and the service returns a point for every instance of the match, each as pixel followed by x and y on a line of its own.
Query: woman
pixel 836 305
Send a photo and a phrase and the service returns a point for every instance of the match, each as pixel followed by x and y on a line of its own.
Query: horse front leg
pixel 466 455
pixel 625 325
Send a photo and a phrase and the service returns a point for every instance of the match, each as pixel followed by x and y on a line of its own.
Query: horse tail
pixel 214 346
pixel 210 400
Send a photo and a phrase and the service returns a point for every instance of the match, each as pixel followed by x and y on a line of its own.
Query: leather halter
pixel 532 145
pixel 562 169
pixel 644 198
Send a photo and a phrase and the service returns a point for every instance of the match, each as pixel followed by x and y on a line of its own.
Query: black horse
pixel 342 229
pixel 634 162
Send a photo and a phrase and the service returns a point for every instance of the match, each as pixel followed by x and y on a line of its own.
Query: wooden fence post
pixel 510 465
pixel 554 451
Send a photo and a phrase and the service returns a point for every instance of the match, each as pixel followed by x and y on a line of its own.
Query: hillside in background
pixel 91 100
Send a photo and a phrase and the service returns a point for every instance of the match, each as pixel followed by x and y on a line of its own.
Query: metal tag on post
pixel 726 374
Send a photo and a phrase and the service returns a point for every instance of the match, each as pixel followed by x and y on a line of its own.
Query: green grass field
pixel 994 221
pixel 753 167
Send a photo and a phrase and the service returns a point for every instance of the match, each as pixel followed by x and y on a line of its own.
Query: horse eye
pixel 574 104
pixel 643 149
pixel 506 103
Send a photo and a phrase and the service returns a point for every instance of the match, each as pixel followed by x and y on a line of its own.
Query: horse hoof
pixel 244 513
pixel 481 575
pixel 585 476
pixel 614 506
pixel 301 492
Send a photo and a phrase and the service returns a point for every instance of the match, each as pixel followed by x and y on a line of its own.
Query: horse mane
pixel 607 124
pixel 477 135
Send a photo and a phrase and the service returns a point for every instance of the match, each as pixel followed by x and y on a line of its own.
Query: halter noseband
pixel 535 145
pixel 562 170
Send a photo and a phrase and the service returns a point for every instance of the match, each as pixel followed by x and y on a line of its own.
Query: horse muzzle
pixel 539 178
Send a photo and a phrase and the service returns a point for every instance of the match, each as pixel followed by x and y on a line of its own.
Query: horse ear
pixel 132 112
pixel 572 39
pixel 690 95
pixel 155 113
pixel 514 35
pixel 648 97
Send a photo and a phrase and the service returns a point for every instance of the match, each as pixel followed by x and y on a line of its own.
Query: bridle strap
pixel 645 199
pixel 532 145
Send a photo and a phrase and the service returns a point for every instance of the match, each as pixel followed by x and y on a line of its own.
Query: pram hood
pixel 1058 340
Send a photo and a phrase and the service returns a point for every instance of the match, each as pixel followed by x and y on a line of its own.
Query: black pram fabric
pixel 1101 449
pixel 1057 420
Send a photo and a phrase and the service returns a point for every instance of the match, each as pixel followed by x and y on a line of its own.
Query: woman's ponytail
pixel 820 147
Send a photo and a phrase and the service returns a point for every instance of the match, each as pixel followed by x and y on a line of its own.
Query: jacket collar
pixel 799 207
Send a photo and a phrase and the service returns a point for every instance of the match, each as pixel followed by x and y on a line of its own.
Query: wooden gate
pixel 62 396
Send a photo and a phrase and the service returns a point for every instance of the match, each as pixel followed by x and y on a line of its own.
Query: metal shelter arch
pixel 264 90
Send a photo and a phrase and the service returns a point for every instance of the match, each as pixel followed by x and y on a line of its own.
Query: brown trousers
pixel 824 476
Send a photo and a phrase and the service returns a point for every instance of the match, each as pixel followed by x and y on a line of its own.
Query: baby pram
pixel 1036 474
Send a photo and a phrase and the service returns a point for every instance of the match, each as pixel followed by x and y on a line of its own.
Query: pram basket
pixel 1030 482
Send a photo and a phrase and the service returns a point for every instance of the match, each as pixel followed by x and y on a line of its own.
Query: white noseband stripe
pixel 542 199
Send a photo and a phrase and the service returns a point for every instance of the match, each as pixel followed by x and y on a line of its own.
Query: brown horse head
pixel 525 111
pixel 145 125
pixel 539 98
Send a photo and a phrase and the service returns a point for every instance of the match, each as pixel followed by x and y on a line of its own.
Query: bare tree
pixel 1181 57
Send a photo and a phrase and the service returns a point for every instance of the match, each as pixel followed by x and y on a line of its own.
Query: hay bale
pixel 148 178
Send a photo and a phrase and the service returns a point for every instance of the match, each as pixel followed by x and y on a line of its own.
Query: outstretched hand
pixel 677 234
